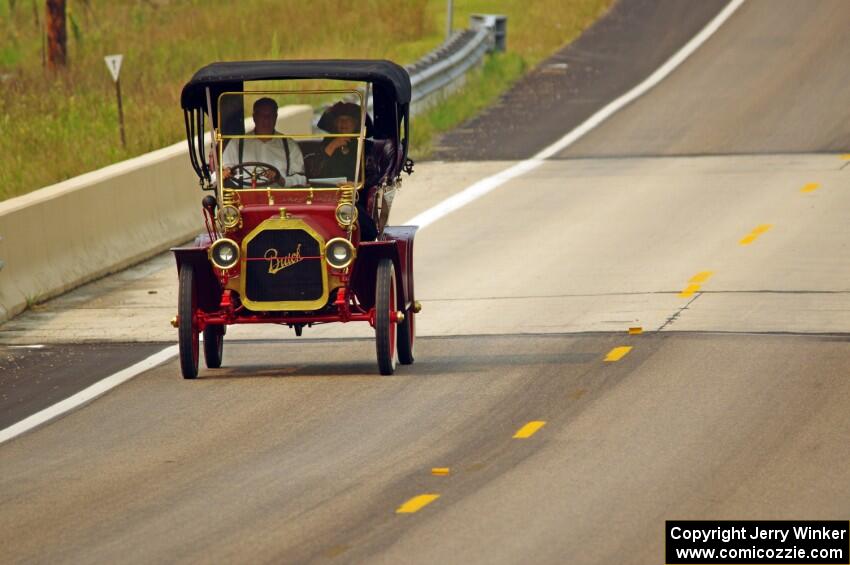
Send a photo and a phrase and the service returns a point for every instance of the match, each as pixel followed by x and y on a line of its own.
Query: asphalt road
pixel 770 81
pixel 732 403
pixel 617 52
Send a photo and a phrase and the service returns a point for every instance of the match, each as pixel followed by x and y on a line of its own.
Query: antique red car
pixel 301 181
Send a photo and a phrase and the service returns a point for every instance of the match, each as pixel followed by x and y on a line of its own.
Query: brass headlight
pixel 224 253
pixel 339 253
pixel 229 216
pixel 346 214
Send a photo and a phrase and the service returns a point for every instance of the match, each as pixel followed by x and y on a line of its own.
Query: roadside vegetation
pixel 536 29
pixel 56 125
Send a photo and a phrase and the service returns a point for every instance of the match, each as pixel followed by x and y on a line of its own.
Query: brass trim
pixel 350 247
pixel 288 136
pixel 222 240
pixel 360 136
pixel 346 196
pixel 230 197
pixel 219 181
pixel 229 226
pixel 283 305
pixel 286 190
pixel 243 93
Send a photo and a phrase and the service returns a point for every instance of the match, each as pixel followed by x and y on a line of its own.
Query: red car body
pixel 294 256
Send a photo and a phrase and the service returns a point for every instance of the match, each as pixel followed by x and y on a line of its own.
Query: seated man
pixel 282 154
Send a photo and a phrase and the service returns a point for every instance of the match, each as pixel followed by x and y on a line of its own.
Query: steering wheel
pixel 254 174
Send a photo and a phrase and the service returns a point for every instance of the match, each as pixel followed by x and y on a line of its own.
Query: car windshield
pixel 273 139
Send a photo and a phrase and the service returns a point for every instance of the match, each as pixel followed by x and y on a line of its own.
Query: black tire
pixel 187 301
pixel 213 345
pixel 406 339
pixel 385 306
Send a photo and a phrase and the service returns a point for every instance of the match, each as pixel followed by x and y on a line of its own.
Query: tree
pixel 57 36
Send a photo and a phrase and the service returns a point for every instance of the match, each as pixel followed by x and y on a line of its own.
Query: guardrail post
pixel 497 24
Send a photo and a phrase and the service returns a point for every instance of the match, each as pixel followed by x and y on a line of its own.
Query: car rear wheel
pixel 385 309
pixel 213 345
pixel 407 337
pixel 187 301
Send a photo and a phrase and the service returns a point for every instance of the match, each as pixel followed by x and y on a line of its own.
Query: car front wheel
pixel 385 308
pixel 187 301
pixel 407 337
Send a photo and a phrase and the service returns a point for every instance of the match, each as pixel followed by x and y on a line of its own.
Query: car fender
pixel 207 284
pixel 396 245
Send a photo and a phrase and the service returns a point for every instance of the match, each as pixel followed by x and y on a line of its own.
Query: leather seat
pixel 380 161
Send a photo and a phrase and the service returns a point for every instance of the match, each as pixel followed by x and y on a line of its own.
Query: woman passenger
pixel 340 155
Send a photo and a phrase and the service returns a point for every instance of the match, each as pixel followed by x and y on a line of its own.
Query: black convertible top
pixel 390 96
pixel 387 76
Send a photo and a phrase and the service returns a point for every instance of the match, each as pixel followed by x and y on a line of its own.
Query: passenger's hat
pixel 328 120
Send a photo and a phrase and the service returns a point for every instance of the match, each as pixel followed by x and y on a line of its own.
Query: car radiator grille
pixel 283 265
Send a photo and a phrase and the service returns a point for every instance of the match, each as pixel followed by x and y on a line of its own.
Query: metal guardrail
pixel 444 69
pixel 439 73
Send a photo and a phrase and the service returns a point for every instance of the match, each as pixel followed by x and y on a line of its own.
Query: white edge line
pixel 447 206
pixel 87 394
pixel 488 184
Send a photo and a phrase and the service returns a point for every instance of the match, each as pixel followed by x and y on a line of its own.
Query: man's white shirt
pixel 269 151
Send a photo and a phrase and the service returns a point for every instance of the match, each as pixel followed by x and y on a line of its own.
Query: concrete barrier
pixel 62 236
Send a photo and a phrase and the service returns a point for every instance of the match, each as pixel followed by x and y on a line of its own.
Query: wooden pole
pixel 120 113
pixel 57 37
pixel 449 13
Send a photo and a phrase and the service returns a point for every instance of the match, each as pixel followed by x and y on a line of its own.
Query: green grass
pixel 535 30
pixel 482 87
pixel 57 125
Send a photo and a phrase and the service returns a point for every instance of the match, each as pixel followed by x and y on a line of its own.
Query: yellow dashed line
pixel 529 429
pixel 689 290
pixel 618 353
pixel 695 283
pixel 753 235
pixel 846 156
pixel 440 471
pixel 337 550
pixel 701 277
pixel 811 187
pixel 416 503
